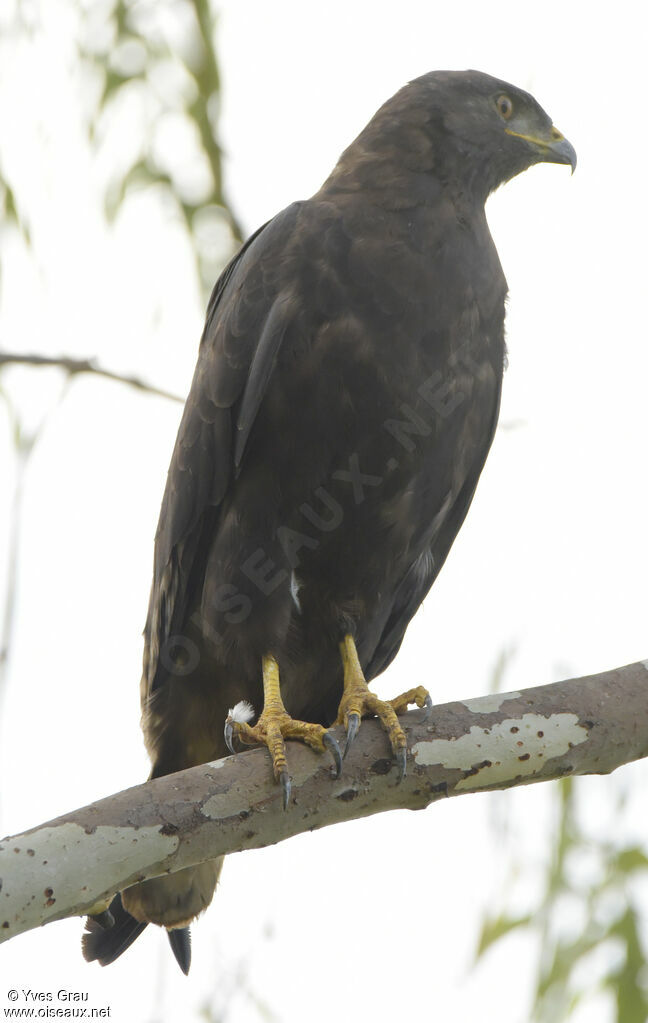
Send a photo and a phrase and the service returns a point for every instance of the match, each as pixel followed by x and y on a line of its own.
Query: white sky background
pixel 552 560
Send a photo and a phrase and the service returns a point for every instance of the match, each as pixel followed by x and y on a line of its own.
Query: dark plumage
pixel 344 402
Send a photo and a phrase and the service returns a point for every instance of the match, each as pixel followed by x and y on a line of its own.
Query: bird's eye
pixel 504 107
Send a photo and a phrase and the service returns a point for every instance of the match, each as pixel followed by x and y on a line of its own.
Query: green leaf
pixel 630 859
pixel 631 999
pixel 497 928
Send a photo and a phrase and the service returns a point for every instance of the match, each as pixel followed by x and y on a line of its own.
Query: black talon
pixel 401 761
pixel 426 708
pixel 105 920
pixel 353 724
pixel 284 779
pixel 180 942
pixel 229 734
pixel 331 743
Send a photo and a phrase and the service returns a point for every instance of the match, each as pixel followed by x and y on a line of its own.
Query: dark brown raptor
pixel 344 402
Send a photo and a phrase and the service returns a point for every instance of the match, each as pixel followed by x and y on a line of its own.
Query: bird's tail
pixel 105 942
pixel 170 901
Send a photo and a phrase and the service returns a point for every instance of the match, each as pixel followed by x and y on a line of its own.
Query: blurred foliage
pixel 9 212
pixel 24 440
pixel 11 216
pixel 235 993
pixel 149 78
pixel 157 99
pixel 591 882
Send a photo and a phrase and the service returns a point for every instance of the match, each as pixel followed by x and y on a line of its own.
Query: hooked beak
pixel 554 149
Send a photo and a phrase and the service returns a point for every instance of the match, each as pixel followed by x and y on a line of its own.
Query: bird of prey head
pixel 461 127
pixel 504 124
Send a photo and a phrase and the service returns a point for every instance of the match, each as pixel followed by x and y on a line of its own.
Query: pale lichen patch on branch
pixel 226 804
pixel 524 744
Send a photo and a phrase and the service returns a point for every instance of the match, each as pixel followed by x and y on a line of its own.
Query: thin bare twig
pixel 75 366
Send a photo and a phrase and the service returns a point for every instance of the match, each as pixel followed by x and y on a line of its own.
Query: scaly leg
pixel 275 725
pixel 358 701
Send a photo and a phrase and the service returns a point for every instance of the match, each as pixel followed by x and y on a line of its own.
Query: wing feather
pixel 245 324
pixel 262 365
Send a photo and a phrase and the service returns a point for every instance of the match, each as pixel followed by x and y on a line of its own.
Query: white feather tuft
pixel 242 712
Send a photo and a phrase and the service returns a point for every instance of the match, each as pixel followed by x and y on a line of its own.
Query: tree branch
pixel 66 867
pixel 74 366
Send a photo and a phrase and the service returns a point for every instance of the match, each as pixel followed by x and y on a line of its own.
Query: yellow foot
pixel 358 701
pixel 275 725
